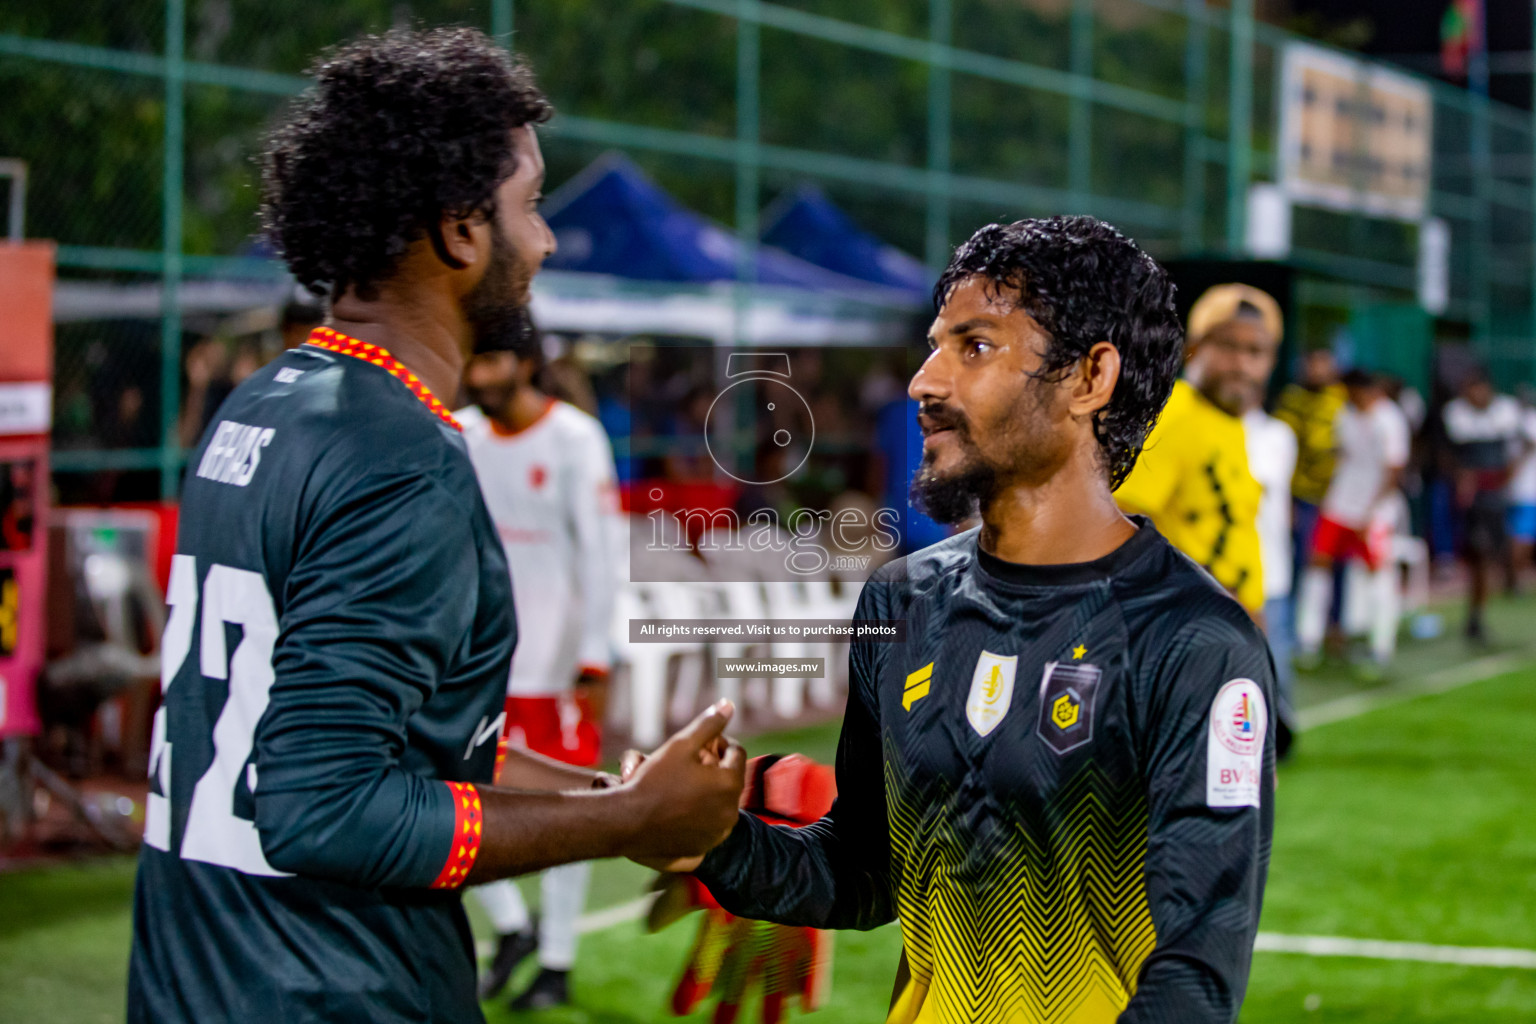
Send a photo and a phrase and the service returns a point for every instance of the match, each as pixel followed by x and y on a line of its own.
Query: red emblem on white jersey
pixel 537 475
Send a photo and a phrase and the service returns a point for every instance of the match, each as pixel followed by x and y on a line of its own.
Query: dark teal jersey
pixel 1061 782
pixel 336 656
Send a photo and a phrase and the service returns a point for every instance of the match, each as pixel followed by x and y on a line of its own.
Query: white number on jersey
pixel 213 833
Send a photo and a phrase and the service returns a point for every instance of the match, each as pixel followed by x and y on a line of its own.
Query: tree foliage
pixel 94 137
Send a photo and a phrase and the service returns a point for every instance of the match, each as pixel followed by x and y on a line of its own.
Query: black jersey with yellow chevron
pixel 1025 783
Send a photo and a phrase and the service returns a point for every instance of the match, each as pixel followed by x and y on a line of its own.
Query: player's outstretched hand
pixel 688 791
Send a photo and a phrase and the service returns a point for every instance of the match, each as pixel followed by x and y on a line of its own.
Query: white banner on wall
pixel 1434 265
pixel 1353 135
pixel 26 408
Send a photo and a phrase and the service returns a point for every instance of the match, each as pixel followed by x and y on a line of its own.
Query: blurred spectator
pixel 1193 479
pixel 1484 430
pixel 1356 521
pixel 546 471
pixel 249 357
pixel 564 379
pixel 1272 458
pixel 768 491
pixel 17 515
pixel 1310 406
pixel 613 413
pixel 688 458
pixel 123 374
pixel 208 383
pixel 213 373
pixel 1522 497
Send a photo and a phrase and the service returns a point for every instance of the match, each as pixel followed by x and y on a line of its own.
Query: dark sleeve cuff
pixel 726 865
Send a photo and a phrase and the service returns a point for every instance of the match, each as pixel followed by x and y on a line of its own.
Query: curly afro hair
pixel 1084 282
pixel 398 130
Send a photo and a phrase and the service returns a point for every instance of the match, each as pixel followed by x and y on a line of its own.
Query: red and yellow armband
pixel 467 831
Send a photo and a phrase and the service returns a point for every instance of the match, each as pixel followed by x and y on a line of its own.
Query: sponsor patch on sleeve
pixel 1235 753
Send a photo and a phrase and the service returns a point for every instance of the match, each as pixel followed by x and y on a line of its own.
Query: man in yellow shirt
pixel 1193 479
pixel 1311 406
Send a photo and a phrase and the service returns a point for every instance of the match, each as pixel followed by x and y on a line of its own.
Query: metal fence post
pixel 1240 124
pixel 748 176
pixel 1080 125
pixel 1482 230
pixel 748 125
pixel 16 216
pixel 1192 229
pixel 940 127
pixel 170 246
pixel 501 22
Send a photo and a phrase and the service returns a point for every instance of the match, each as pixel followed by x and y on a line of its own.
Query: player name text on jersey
pixel 234 453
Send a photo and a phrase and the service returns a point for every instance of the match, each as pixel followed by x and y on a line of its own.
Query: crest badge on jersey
pixel 1235 751
pixel 991 691
pixel 1066 705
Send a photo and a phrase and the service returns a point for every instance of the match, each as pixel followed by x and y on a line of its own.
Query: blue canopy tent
pixel 613 219
pixel 631 259
pixel 805 223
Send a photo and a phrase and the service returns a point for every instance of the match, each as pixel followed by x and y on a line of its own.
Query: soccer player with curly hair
pixel 1060 781
pixel 337 652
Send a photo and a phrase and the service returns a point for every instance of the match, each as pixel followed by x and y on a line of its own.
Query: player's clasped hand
pixel 689 790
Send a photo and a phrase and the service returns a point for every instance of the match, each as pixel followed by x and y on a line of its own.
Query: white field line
pixel 1443 681
pixel 594 921
pixel 607 917
pixel 1375 949
pixel 1268 942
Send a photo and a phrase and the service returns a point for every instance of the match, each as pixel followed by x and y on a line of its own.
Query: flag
pixel 1460 35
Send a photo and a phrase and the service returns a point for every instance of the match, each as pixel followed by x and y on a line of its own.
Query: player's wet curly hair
pixel 1084 282
pixel 397 130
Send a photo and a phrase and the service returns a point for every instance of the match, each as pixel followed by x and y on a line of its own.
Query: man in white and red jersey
pixel 1372 438
pixel 1484 430
pixel 547 473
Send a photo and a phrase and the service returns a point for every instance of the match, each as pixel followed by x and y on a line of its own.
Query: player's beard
pixel 1023 452
pixel 1232 393
pixel 492 399
pixel 492 308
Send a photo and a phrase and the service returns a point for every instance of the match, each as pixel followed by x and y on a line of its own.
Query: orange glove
pixel 732 955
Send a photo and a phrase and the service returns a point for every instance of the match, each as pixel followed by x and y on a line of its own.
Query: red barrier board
pixel 26 400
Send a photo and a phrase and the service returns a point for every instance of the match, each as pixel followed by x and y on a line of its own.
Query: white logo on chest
pixel 991 691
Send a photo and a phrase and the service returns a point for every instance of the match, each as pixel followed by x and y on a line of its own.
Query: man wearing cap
pixel 1193 480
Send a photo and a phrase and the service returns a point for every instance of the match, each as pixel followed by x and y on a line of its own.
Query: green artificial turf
pixel 1410 823
pixel 64 936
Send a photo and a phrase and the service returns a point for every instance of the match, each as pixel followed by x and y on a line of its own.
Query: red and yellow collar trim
pixel 335 341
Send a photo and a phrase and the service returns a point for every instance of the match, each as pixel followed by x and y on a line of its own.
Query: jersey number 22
pixel 214 834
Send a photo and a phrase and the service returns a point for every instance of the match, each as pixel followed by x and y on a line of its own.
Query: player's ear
pixel 1093 385
pixel 460 242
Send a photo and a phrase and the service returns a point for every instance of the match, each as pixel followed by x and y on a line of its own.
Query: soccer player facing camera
pixel 1061 781
pixel 341 624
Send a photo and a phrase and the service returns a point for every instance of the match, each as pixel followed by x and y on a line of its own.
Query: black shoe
pixel 511 950
pixel 549 988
